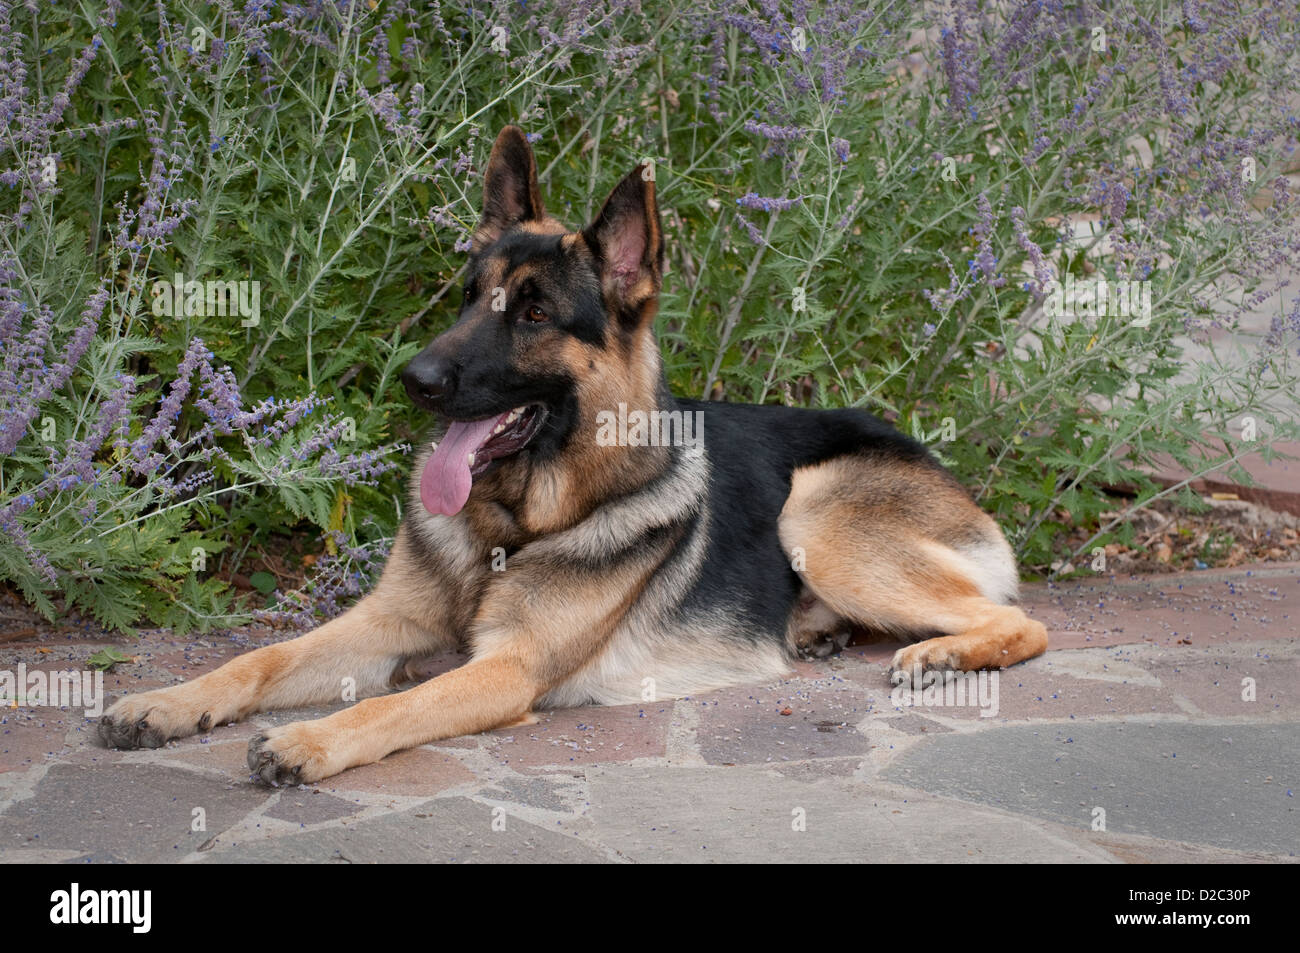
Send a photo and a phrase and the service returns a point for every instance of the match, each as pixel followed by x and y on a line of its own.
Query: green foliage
pixel 105 659
pixel 854 294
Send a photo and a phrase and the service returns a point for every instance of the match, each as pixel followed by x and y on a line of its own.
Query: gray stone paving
pixel 1138 709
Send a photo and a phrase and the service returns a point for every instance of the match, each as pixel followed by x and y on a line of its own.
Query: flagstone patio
pixel 1132 740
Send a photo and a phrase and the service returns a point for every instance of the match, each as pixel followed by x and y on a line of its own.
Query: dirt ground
pixel 1171 538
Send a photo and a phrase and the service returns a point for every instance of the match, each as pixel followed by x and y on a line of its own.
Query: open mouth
pixel 468 448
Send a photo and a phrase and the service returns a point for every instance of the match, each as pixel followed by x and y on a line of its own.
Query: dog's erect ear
pixel 510 192
pixel 628 244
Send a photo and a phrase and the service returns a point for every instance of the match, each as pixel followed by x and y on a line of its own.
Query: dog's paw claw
pixel 148 720
pixel 118 732
pixel 269 766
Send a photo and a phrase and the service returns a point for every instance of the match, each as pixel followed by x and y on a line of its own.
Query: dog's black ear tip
pixel 512 146
pixel 637 188
pixel 511 132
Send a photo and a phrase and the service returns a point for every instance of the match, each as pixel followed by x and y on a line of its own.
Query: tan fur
pixel 547 226
pixel 553 616
pixel 878 559
pixel 368 644
pixel 482 694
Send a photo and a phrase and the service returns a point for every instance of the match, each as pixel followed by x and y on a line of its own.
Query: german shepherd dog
pixel 579 570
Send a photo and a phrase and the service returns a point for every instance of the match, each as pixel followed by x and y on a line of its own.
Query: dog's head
pixel 555 326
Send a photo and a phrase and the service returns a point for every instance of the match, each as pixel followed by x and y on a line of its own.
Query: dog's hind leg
pixel 899 546
pixel 362 650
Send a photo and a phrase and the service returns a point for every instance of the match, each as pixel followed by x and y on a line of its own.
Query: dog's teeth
pixel 433 445
pixel 470 459
pixel 498 428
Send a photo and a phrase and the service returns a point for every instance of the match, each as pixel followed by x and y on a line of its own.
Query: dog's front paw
pixel 149 720
pixel 289 755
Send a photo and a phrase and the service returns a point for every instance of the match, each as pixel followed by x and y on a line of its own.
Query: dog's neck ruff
pixel 672 497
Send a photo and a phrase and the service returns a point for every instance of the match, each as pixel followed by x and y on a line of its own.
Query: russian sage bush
pixel 226 225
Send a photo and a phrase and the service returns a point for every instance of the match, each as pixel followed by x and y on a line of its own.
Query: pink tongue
pixel 445 482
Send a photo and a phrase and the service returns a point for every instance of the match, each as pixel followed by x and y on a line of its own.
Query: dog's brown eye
pixel 537 314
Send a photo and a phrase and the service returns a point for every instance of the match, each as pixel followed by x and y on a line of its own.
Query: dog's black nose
pixel 429 379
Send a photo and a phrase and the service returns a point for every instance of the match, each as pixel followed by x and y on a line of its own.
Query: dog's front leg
pixel 539 622
pixel 482 694
pixel 363 646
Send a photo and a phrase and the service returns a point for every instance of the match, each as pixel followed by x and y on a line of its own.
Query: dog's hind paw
pixel 911 661
pixel 823 644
